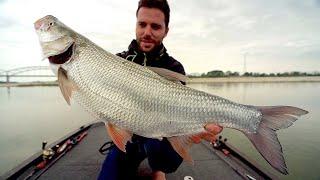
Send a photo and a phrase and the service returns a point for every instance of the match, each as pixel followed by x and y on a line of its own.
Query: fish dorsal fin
pixel 168 74
pixel 119 136
pixel 181 144
pixel 66 85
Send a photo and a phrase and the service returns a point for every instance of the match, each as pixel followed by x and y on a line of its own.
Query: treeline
pixel 218 73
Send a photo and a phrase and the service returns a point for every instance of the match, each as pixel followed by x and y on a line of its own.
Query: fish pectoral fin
pixel 208 136
pixel 119 136
pixel 66 85
pixel 168 74
pixel 181 144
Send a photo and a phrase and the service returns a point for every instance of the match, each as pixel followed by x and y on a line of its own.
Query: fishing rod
pixel 50 156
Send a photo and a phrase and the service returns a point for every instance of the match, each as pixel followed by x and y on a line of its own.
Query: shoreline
pixel 29 84
pixel 254 79
pixel 196 80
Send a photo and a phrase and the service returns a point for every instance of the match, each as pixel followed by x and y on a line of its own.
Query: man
pixel 147 50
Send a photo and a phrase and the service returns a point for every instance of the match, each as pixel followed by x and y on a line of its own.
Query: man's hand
pixel 213 128
pixel 210 135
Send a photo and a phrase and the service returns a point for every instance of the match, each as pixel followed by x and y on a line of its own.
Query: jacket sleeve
pixel 123 54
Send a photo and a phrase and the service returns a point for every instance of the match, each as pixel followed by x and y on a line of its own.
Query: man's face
pixel 150 28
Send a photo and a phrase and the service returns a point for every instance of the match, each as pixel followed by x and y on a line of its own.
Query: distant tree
pixel 315 73
pixel 203 75
pixel 235 74
pixel 219 73
pixel 263 75
pixel 215 73
pixel 294 73
pixel 248 74
pixel 255 74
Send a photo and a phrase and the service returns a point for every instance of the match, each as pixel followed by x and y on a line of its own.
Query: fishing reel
pixel 46 153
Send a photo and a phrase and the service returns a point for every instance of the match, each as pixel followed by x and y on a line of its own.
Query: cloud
pixel 204 35
pixel 269 30
pixel 6 22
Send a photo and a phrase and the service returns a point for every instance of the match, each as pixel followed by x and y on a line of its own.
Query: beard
pixel 147 44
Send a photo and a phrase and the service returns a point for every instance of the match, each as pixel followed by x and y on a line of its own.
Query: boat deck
pixel 84 161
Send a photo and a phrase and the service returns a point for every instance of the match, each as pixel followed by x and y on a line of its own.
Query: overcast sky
pixel 204 35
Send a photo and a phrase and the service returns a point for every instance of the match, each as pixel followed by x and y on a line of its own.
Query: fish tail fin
pixel 265 139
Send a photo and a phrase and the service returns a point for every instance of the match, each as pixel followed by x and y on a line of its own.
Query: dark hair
pixel 162 5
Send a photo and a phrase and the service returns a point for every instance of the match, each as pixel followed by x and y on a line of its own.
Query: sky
pixel 204 35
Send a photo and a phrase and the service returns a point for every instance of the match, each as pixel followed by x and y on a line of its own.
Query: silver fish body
pixel 134 98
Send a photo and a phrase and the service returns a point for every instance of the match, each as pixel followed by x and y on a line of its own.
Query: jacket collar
pixel 155 54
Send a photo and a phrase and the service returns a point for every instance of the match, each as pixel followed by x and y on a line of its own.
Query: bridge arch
pixel 19 72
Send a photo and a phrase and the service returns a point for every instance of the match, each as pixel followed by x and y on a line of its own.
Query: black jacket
pixel 156 58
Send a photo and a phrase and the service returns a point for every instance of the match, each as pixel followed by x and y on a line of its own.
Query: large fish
pixel 148 101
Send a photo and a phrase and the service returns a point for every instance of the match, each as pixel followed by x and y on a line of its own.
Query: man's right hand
pixel 209 135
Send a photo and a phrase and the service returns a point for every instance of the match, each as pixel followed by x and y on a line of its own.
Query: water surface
pixel 300 142
pixel 30 115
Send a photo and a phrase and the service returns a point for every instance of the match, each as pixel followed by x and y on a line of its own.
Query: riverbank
pixel 198 80
pixel 27 84
pixel 254 79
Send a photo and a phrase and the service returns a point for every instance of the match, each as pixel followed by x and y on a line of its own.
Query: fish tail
pixel 265 139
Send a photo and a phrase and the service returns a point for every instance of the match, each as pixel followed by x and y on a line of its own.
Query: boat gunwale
pixel 250 162
pixel 36 158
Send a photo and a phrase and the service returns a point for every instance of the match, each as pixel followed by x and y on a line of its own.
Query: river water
pixel 30 115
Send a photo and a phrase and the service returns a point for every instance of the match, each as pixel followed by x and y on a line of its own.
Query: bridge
pixel 27 72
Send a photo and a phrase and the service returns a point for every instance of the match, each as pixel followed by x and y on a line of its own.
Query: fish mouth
pixel 62 57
